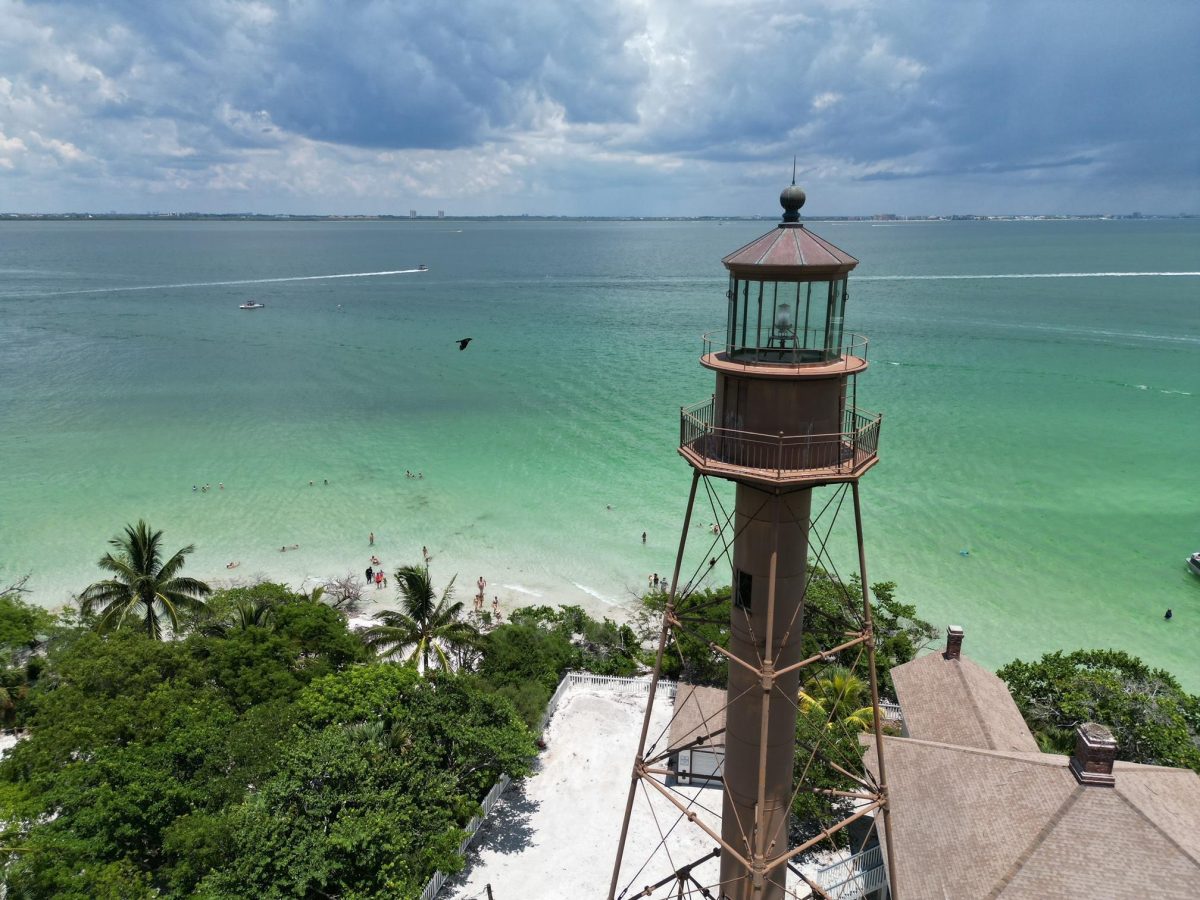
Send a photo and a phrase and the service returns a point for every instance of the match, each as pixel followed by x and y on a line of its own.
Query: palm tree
pixel 427 626
pixel 258 613
pixel 143 590
pixel 834 696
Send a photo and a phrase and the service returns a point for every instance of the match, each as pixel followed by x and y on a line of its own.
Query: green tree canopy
pixel 262 762
pixel 22 626
pixel 1152 718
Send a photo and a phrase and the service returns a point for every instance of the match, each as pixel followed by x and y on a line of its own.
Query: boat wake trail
pixel 1028 275
pixel 196 284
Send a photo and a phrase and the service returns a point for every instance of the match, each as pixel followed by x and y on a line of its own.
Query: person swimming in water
pixel 232 564
pixel 1168 614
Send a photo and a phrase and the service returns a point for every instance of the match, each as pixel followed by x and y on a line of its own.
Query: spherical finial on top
pixel 791 199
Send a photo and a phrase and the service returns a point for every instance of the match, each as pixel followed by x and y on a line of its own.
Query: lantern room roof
pixel 790 252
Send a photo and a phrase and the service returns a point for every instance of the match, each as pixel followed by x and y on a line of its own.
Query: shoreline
pixel 515 590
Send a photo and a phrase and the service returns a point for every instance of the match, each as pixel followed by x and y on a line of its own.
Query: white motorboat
pixel 250 304
pixel 1193 563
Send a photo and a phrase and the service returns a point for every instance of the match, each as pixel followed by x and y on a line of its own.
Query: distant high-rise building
pixel 441 214
pixel 412 213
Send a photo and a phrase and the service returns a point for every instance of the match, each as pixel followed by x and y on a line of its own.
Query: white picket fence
pixel 489 803
pixel 570 680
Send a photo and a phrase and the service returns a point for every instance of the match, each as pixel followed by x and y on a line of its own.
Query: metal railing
pixel 784 454
pixel 796 347
pixel 891 712
pixel 569 680
pixel 860 875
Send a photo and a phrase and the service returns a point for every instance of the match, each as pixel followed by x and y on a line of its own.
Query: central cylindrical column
pixel 770 556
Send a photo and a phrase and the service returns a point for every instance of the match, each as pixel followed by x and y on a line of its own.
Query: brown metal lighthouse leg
pixel 662 644
pixel 878 726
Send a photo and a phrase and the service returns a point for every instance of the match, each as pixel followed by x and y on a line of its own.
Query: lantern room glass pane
pixel 785 322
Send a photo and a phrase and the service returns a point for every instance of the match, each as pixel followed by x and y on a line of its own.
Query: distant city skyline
pixel 631 108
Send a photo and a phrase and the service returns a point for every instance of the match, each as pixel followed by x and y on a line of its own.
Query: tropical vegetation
pixel 270 757
pixel 833 699
pixel 144 590
pixel 1152 718
pixel 249 744
pixel 426 626
pixel 265 750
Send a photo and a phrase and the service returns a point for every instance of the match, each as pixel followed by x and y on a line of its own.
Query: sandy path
pixel 556 834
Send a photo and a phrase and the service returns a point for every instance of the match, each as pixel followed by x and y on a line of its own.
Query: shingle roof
pixel 957 701
pixel 1006 825
pixel 699 712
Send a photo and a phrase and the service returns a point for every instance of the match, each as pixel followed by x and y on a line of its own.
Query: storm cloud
pixel 630 107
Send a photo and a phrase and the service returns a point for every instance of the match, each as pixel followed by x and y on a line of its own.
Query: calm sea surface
pixel 1047 425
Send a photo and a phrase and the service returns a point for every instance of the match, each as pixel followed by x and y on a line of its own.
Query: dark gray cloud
pixel 378 74
pixel 631 106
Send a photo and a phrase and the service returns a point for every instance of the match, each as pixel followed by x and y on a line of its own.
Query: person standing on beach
pixel 425 553
pixel 643 537
pixel 370 574
pixel 371 539
pixel 496 608
pixel 379 580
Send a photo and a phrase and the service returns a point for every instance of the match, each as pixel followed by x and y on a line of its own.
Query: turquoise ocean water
pixel 1048 425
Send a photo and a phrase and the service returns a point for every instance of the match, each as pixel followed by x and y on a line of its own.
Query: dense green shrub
pixel 1152 718
pixel 266 760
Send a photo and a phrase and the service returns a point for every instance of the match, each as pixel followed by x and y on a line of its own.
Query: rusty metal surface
pixel 791 252
pixel 841 367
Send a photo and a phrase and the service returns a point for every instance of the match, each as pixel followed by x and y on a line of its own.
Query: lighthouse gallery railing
pixel 842 452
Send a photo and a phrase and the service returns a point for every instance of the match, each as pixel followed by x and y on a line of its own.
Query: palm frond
pixel 168 569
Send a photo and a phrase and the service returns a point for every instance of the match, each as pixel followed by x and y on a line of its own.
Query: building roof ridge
pixel 1044 832
pixel 973 699
pixel 1032 756
pixel 1128 801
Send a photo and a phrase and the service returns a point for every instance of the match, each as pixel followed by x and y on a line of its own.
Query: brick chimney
pixel 954 636
pixel 1095 751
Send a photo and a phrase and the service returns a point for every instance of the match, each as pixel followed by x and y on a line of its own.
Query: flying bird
pixel 462 344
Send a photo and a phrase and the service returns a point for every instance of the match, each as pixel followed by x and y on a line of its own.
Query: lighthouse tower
pixel 782 421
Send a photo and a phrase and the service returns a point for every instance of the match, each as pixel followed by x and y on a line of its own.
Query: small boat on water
pixel 1193 563
pixel 250 304
pixel 422 268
